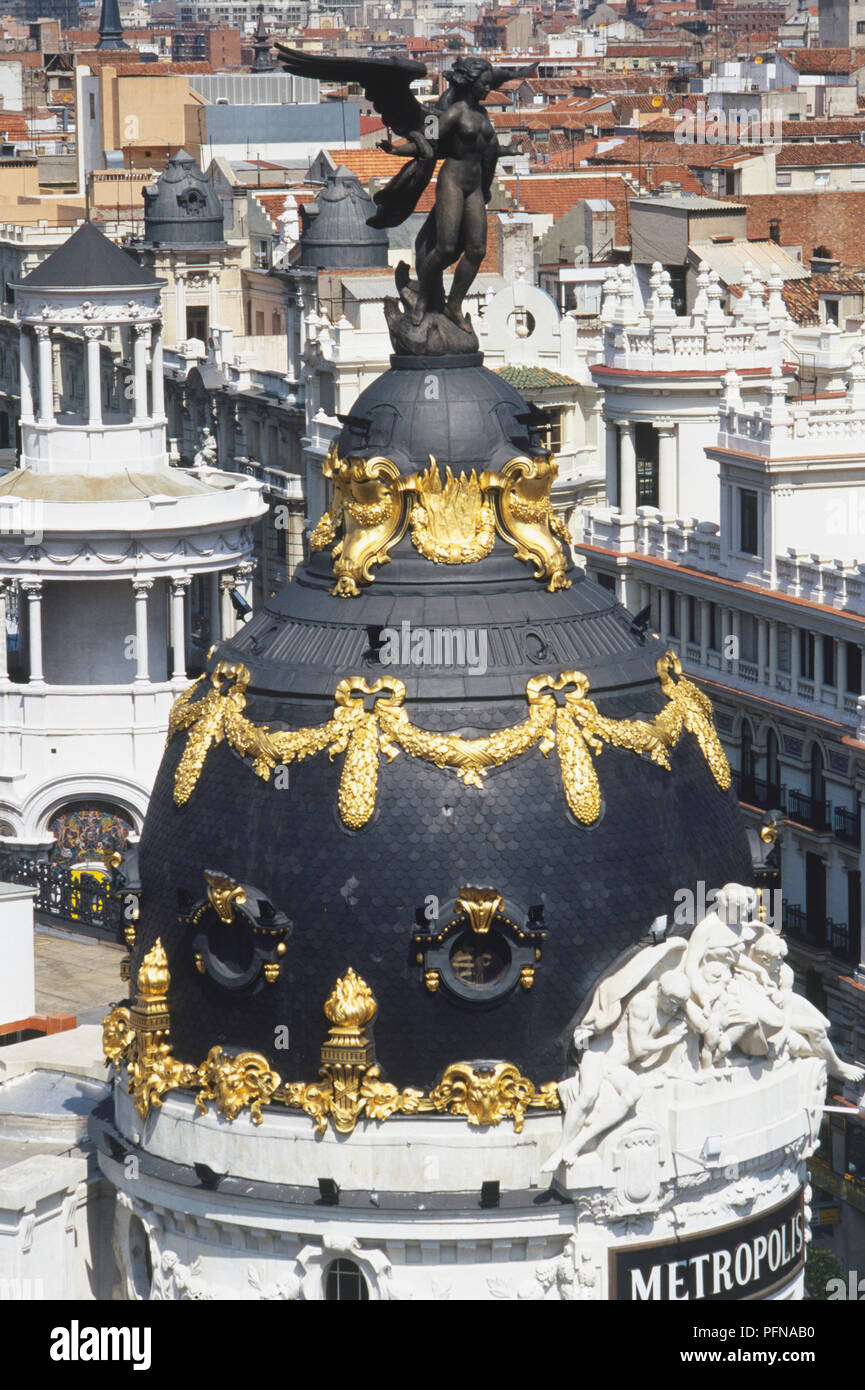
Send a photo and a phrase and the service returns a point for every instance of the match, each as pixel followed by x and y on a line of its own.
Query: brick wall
pixel 833 220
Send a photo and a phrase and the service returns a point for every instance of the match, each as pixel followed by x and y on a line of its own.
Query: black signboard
pixel 744 1260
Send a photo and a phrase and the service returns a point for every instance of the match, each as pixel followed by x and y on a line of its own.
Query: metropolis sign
pixel 745 1260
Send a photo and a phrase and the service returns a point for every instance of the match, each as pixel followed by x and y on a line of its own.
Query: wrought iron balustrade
pixel 73 894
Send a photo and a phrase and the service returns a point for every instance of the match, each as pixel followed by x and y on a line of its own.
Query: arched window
pixel 818 783
pixel 773 767
pixel 344 1283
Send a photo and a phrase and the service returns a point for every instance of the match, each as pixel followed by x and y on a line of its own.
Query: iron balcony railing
pixel 809 810
pixel 74 894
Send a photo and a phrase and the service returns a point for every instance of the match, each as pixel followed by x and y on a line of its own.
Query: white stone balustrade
pixel 657 340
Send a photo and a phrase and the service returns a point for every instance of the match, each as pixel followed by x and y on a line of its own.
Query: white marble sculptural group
pixel 685 1008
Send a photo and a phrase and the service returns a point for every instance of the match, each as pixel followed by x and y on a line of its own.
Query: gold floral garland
pixel 575 728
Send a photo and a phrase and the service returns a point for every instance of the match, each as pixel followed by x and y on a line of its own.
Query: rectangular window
pixel 749 638
pixel 551 431
pixel 748 515
pixel 783 178
pixel 783 648
pixel 196 324
pixel 854 668
pixel 831 308
pixel 646 448
pixel 806 654
pixel 828 661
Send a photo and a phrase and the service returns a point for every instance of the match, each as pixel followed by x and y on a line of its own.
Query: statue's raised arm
pixel 456 132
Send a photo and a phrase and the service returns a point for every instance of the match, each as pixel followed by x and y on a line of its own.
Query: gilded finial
pixel 351 1005
pixel 153 978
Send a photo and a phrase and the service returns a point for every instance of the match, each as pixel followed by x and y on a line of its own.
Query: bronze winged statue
pixel 457 131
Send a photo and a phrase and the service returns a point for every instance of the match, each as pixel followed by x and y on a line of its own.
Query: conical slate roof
pixel 88 260
pixel 335 234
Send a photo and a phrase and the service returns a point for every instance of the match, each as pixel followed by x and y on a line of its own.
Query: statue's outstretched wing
pixel 503 75
pixel 386 82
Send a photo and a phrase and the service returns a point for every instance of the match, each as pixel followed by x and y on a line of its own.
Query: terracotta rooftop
pixel 819 62
pixel 802 297
pixel 829 152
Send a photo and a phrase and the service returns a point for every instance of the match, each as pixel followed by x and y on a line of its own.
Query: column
pixel 46 374
pixel 4 660
pixel 736 633
pixel 180 304
pixel 226 584
pixel 142 588
pixel 157 373
pixel 705 630
pixel 25 351
pixel 291 337
pixel 213 298
pixel 178 627
pixel 627 469
pixel 141 340
pixel 818 668
pixel 665 603
pixel 33 590
pixel 795 660
pixel 93 337
pixel 773 653
pixel 243 583
pixel 611 464
pixel 762 649
pixel 215 616
pixel 667 480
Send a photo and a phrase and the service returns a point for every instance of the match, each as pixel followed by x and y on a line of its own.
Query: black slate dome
pixel 335 234
pixel 453 408
pixel 366 897
pixel 182 209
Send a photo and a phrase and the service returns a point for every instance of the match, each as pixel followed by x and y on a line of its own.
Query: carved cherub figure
pixel 804 1030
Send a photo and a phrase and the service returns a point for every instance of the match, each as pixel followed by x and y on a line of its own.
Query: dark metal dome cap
pixel 451 407
pixel 473 843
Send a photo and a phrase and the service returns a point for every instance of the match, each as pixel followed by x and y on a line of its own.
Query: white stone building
pixel 743 535
pixel 116 569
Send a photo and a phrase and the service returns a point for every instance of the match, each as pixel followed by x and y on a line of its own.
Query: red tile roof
pixel 829 152
pixel 824 61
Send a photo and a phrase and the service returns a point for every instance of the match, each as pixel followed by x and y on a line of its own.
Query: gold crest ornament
pixel 454 522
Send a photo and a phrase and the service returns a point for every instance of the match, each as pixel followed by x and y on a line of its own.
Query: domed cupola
pixel 181 209
pixel 335 233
